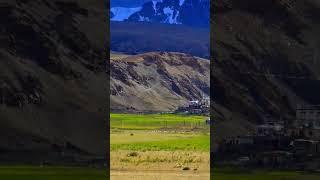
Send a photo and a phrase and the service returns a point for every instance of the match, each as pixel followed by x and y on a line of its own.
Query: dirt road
pixel 159 175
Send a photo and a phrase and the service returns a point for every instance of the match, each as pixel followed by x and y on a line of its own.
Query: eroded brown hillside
pixel 157 81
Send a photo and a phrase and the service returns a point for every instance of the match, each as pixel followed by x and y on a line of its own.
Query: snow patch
pixel 181 2
pixel 154 4
pixel 123 13
pixel 175 18
pixel 170 15
pixel 142 18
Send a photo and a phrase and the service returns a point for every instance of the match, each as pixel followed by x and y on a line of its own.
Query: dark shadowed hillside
pixel 136 38
pixel 266 61
pixel 52 80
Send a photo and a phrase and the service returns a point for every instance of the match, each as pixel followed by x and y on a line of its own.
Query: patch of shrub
pixel 186 168
pixel 133 154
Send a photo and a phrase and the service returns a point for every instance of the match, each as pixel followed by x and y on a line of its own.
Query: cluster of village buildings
pixel 200 107
pixel 275 144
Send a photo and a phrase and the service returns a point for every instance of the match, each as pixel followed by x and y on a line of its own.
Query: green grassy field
pixel 156 121
pixel 139 142
pixel 156 143
pixel 146 141
pixel 159 132
pixel 231 174
pixel 51 173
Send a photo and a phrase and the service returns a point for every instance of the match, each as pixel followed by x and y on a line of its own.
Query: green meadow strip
pixel 156 121
pixel 237 174
pixel 195 143
pixel 51 173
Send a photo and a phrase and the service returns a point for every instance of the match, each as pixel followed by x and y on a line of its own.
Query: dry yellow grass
pixel 159 165
pixel 156 153
pixel 159 160
pixel 118 56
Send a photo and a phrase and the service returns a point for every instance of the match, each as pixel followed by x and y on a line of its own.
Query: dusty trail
pixel 159 175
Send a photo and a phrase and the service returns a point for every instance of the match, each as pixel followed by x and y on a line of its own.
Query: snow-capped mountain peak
pixel 187 12
pixel 123 13
pixel 172 15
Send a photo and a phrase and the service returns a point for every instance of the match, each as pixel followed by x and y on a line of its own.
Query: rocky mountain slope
pixel 186 12
pixel 52 79
pixel 266 62
pixel 157 81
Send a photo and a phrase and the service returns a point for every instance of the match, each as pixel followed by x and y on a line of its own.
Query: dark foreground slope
pixel 52 80
pixel 265 61
pixel 157 81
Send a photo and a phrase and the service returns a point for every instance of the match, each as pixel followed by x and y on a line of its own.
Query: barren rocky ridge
pixel 157 81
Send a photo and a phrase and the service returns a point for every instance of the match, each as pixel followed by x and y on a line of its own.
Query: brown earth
pixel 157 81
pixel 159 175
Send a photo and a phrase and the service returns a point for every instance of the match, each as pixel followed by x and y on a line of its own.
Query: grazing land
pixel 158 121
pixel 159 146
